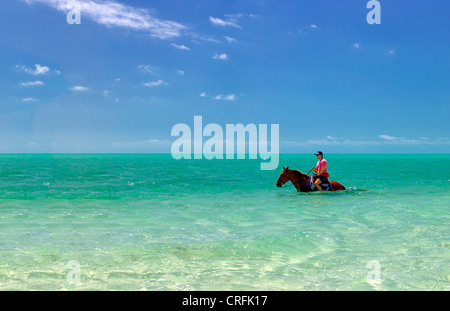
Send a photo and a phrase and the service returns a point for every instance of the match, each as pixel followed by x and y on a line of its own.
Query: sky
pixel 132 69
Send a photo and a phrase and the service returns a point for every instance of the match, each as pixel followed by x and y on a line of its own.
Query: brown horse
pixel 300 180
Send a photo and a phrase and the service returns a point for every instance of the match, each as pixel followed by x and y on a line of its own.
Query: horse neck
pixel 297 179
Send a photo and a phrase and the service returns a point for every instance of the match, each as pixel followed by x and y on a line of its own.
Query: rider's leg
pixel 317 182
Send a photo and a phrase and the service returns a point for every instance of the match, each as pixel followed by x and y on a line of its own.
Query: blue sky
pixel 120 80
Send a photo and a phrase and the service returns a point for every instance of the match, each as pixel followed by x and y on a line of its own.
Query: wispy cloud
pixel 197 38
pixel 420 140
pixel 37 71
pixel 115 14
pixel 305 29
pixel 230 22
pixel 390 52
pixel 31 83
pixel 203 94
pixel 79 88
pixel 385 140
pixel 230 97
pixel 230 39
pixel 146 69
pixel 141 144
pixel 388 137
pixel 356 46
pixel 154 83
pixel 222 56
pixel 181 47
pixel 29 99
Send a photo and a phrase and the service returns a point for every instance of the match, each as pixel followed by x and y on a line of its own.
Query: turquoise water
pixel 148 222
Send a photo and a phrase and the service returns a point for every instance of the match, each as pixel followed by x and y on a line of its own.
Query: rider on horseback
pixel 320 170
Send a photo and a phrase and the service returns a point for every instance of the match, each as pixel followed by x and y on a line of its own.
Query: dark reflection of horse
pixel 300 180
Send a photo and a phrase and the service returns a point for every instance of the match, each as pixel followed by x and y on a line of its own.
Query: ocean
pixel 149 222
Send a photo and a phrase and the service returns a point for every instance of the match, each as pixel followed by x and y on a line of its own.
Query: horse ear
pixel 287 167
pixel 284 168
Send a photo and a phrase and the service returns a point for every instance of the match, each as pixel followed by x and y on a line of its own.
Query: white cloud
pixel 38 70
pixel 180 72
pixel 79 88
pixel 31 83
pixel 415 141
pixel 230 40
pixel 386 140
pixel 356 46
pixel 236 15
pixel 196 38
pixel 111 13
pixel 387 137
pixel 143 143
pixel 230 97
pixel 29 99
pixel 203 94
pixel 222 56
pixel 390 52
pixel 420 140
pixel 181 47
pixel 304 30
pixel 231 22
pixel 154 83
pixel 146 69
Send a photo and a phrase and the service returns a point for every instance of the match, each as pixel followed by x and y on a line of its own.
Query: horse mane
pixel 303 175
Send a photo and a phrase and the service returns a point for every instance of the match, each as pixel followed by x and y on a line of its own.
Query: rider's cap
pixel 318 152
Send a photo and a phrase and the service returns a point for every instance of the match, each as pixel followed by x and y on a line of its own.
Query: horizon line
pixel 224 154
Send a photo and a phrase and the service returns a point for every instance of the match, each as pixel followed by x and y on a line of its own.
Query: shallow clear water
pixel 149 222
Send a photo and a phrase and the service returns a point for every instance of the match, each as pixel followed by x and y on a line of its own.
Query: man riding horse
pixel 320 170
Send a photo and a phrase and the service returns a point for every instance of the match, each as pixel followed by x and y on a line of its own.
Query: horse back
pixel 336 186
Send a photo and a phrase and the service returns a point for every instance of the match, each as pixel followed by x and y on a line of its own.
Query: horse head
pixel 297 178
pixel 284 177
